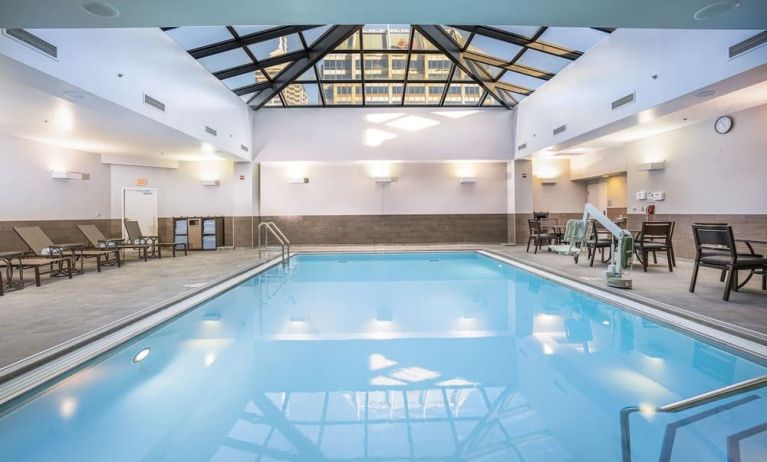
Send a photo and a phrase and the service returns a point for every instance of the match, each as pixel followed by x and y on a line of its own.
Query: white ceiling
pixel 750 14
pixel 739 93
pixel 37 106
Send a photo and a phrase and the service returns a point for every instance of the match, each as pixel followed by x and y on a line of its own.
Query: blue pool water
pixel 420 357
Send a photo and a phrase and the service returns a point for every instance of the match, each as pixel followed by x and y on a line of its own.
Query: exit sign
pixel 142 182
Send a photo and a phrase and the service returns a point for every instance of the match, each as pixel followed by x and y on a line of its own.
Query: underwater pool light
pixel 141 355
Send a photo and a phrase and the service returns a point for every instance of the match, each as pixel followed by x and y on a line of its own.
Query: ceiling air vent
pixel 560 129
pixel 748 44
pixel 155 103
pixel 33 41
pixel 244 148
pixel 521 146
pixel 620 102
pixel 211 131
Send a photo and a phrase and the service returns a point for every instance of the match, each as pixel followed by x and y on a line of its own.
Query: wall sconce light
pixel 652 166
pixel 549 181
pixel 467 179
pixel 210 182
pixel 64 175
pixel 383 179
pixel 299 180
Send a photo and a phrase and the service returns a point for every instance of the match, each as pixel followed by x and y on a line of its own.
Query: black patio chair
pixel 654 237
pixel 537 235
pixel 715 248
pixel 600 240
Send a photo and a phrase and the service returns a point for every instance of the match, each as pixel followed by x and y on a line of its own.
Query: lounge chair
pixel 136 237
pixel 35 264
pixel 42 246
pixel 715 248
pixel 99 241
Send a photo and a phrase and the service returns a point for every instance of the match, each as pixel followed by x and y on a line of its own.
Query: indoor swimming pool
pixel 395 357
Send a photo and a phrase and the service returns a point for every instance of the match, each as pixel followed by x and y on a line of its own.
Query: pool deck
pixel 35 319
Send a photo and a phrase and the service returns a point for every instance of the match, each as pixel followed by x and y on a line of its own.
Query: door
pixel 596 193
pixel 140 204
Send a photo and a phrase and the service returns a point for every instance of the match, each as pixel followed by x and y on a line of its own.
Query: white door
pixel 140 204
pixel 596 193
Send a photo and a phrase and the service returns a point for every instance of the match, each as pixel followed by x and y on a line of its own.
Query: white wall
pixel 419 134
pixel 617 192
pixel 706 173
pixel 180 192
pixel 565 196
pixel 580 96
pixel 28 192
pixel 519 186
pixel 245 189
pixel 150 62
pixel 349 188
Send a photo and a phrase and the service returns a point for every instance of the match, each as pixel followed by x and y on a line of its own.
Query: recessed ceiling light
pixel 100 9
pixel 715 10
pixel 705 93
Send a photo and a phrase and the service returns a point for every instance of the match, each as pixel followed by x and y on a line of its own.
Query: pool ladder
pixel 266 228
pixel 683 405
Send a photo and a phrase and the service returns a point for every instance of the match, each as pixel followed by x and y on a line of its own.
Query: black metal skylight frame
pixel 269 90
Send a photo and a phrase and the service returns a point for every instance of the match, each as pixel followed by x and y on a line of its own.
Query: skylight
pixel 384 64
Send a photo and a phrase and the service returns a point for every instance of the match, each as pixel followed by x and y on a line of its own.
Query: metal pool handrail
pixel 683 405
pixel 272 228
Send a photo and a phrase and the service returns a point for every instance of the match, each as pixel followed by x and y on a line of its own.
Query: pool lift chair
pixel 619 268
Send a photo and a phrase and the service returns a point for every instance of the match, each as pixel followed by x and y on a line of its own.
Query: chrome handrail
pixel 272 228
pixel 281 234
pixel 683 405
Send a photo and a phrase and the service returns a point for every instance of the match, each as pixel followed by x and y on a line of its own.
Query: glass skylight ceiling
pixel 384 64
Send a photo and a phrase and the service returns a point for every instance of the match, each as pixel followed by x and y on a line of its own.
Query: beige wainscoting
pixel 395 229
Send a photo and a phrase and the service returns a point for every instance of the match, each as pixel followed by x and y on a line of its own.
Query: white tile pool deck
pixel 35 319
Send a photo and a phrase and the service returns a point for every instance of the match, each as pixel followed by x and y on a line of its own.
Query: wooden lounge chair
pixel 42 246
pixel 715 248
pixel 136 237
pixel 98 241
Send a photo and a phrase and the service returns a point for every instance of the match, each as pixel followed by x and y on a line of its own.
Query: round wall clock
pixel 723 125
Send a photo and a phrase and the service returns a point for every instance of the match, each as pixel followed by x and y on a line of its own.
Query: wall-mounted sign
pixel 142 182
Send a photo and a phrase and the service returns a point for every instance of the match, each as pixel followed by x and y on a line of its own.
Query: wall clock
pixel 723 125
